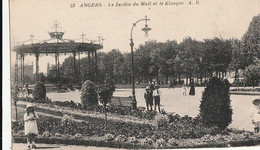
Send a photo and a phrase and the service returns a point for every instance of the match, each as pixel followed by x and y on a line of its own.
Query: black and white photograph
pixel 134 74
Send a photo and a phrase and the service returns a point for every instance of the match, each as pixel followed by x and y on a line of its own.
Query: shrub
pixel 40 77
pixel 88 94
pixel 132 139
pixel 39 92
pixel 147 140
pixel 160 143
pixel 109 137
pixel 161 120
pixel 121 138
pixel 173 141
pixel 215 107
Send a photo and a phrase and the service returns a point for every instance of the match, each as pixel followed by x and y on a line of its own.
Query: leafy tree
pixel 252 73
pixel 215 107
pixel 251 38
pixel 188 50
pixel 240 59
pixel 144 66
pixel 39 92
pixel 110 65
pixel 218 55
pixel 126 69
pixel 88 94
pixel 67 69
pixel 105 93
pixel 40 78
pixel 165 55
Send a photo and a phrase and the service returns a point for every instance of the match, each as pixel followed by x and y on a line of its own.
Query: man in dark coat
pixel 148 96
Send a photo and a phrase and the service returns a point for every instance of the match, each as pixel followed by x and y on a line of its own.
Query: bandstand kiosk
pixel 57 45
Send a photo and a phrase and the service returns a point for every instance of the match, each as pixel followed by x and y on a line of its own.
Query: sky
pixel 211 18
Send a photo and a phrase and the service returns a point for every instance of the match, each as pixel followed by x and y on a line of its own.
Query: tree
pixel 111 65
pixel 251 38
pixel 88 94
pixel 252 73
pixel 105 93
pixel 68 71
pixel 240 59
pixel 40 78
pixel 39 92
pixel 188 50
pixel 144 65
pixel 215 107
pixel 165 56
pixel 218 55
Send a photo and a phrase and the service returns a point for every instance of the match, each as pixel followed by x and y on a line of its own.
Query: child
pixel 30 125
pixel 256 115
pixel 156 97
pixel 184 90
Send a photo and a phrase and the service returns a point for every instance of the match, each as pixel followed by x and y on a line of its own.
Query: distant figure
pixel 170 84
pixel 184 87
pixel 255 115
pixel 151 86
pixel 148 96
pixel 26 90
pixel 192 88
pixel 30 125
pixel 156 97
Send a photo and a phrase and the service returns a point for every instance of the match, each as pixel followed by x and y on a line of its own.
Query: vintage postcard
pixel 134 74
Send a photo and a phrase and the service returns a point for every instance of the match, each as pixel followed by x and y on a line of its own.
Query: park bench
pixel 121 101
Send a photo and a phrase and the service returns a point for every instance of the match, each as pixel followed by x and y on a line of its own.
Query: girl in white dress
pixel 30 125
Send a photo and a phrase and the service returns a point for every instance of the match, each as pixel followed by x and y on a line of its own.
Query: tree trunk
pixel 197 77
pixel 105 106
pixel 166 77
pixel 16 115
pixel 201 79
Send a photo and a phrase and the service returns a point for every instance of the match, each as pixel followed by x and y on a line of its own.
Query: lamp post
pixel 146 29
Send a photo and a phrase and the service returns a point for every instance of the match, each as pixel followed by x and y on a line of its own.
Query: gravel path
pixel 70 112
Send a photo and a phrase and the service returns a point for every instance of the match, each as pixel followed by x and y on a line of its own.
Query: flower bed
pixel 54 131
pixel 176 133
pixel 162 131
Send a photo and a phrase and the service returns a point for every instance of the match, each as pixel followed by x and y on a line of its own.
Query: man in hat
pixel 156 96
pixel 148 96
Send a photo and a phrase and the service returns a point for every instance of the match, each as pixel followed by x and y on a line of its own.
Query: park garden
pixel 95 122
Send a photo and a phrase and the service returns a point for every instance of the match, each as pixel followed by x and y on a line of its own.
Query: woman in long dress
pixel 192 88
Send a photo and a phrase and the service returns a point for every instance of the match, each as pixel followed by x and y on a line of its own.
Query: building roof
pixel 68 47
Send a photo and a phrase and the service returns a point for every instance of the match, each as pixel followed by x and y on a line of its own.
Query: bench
pixel 121 101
